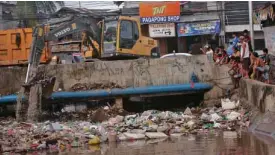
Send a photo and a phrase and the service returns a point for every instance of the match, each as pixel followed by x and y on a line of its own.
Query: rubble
pixel 149 125
pixel 95 86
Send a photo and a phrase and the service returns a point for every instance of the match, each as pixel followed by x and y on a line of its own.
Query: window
pixel 129 34
pixel 136 35
pixel 126 30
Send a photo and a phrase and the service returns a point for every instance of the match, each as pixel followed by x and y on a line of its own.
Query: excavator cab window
pixel 128 34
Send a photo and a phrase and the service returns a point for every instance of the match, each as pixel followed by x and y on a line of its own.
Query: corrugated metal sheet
pixel 199 17
pixel 238 14
pixel 99 13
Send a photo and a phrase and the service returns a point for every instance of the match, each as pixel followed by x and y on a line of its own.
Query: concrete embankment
pixel 126 73
pixel 261 98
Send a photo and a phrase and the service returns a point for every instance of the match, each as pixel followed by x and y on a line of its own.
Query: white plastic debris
pixel 153 135
pixel 55 127
pixel 187 111
pixel 215 117
pixel 106 108
pixel 68 108
pixel 80 107
pixel 217 125
pixel 190 124
pixel 115 120
pixel 233 116
pixel 205 117
pixel 229 105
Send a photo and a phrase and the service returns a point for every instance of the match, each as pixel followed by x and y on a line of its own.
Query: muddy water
pixel 224 143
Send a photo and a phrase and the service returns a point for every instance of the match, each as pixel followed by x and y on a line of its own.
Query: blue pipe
pixel 120 92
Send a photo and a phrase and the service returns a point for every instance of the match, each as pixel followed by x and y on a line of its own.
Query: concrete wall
pixel 258 94
pixel 127 73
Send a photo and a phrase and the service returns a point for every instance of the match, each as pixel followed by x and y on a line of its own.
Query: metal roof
pixel 96 13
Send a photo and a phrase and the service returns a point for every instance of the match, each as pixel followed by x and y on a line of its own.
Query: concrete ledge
pixel 126 73
pixel 258 94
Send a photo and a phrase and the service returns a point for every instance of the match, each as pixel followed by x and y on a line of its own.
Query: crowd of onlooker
pixel 245 63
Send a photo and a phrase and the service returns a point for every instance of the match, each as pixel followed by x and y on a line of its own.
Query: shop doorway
pixel 172 44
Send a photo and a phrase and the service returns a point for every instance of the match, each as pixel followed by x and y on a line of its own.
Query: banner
pixel 201 28
pixel 162 30
pixel 159 12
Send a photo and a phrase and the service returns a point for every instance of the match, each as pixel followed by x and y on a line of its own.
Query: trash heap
pixel 151 124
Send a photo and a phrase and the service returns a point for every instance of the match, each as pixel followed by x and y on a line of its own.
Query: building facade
pixel 210 23
pixel 8 15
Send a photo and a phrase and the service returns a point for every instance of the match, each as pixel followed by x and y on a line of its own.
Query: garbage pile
pixel 151 124
pixel 95 86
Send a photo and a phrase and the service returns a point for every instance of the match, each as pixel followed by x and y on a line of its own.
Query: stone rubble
pixel 151 124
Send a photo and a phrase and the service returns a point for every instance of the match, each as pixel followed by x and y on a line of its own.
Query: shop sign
pixel 159 12
pixel 192 29
pixel 162 30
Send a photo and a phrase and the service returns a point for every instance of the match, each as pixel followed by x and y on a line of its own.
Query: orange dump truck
pixel 15 47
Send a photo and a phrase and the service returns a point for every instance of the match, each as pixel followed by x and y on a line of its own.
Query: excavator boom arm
pixel 39 37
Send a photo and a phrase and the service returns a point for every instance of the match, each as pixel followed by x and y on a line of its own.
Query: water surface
pixel 224 143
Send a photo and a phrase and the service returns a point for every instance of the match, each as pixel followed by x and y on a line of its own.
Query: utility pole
pixel 79 4
pixel 251 26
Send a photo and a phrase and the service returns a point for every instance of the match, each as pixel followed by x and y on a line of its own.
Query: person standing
pixel 245 59
pixel 248 38
pixel 235 40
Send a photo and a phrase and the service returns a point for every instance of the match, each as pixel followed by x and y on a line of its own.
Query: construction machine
pixel 119 38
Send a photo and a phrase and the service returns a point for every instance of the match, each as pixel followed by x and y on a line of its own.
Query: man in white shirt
pixel 245 56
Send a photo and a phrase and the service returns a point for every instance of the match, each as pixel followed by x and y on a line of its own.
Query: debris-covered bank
pixel 151 124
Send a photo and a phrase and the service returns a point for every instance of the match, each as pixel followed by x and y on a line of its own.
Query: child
pixel 236 69
pixel 236 55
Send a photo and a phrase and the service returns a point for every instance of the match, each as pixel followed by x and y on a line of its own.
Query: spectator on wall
pixel 245 56
pixel 235 40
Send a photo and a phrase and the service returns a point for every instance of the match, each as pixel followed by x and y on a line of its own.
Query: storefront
pixel 266 16
pixel 200 33
pixel 161 18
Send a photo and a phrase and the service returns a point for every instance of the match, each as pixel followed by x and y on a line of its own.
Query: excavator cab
pixel 123 38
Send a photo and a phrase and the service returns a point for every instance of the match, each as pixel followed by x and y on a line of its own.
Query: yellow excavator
pixel 111 39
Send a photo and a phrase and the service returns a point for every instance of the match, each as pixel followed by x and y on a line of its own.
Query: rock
pixel 134 135
pixel 99 116
pixel 138 131
pixel 162 128
pixel 153 135
pixel 176 134
pixel 187 111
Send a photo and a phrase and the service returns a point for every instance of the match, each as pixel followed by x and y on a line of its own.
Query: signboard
pixel 269 36
pixel 159 12
pixel 162 30
pixel 192 29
